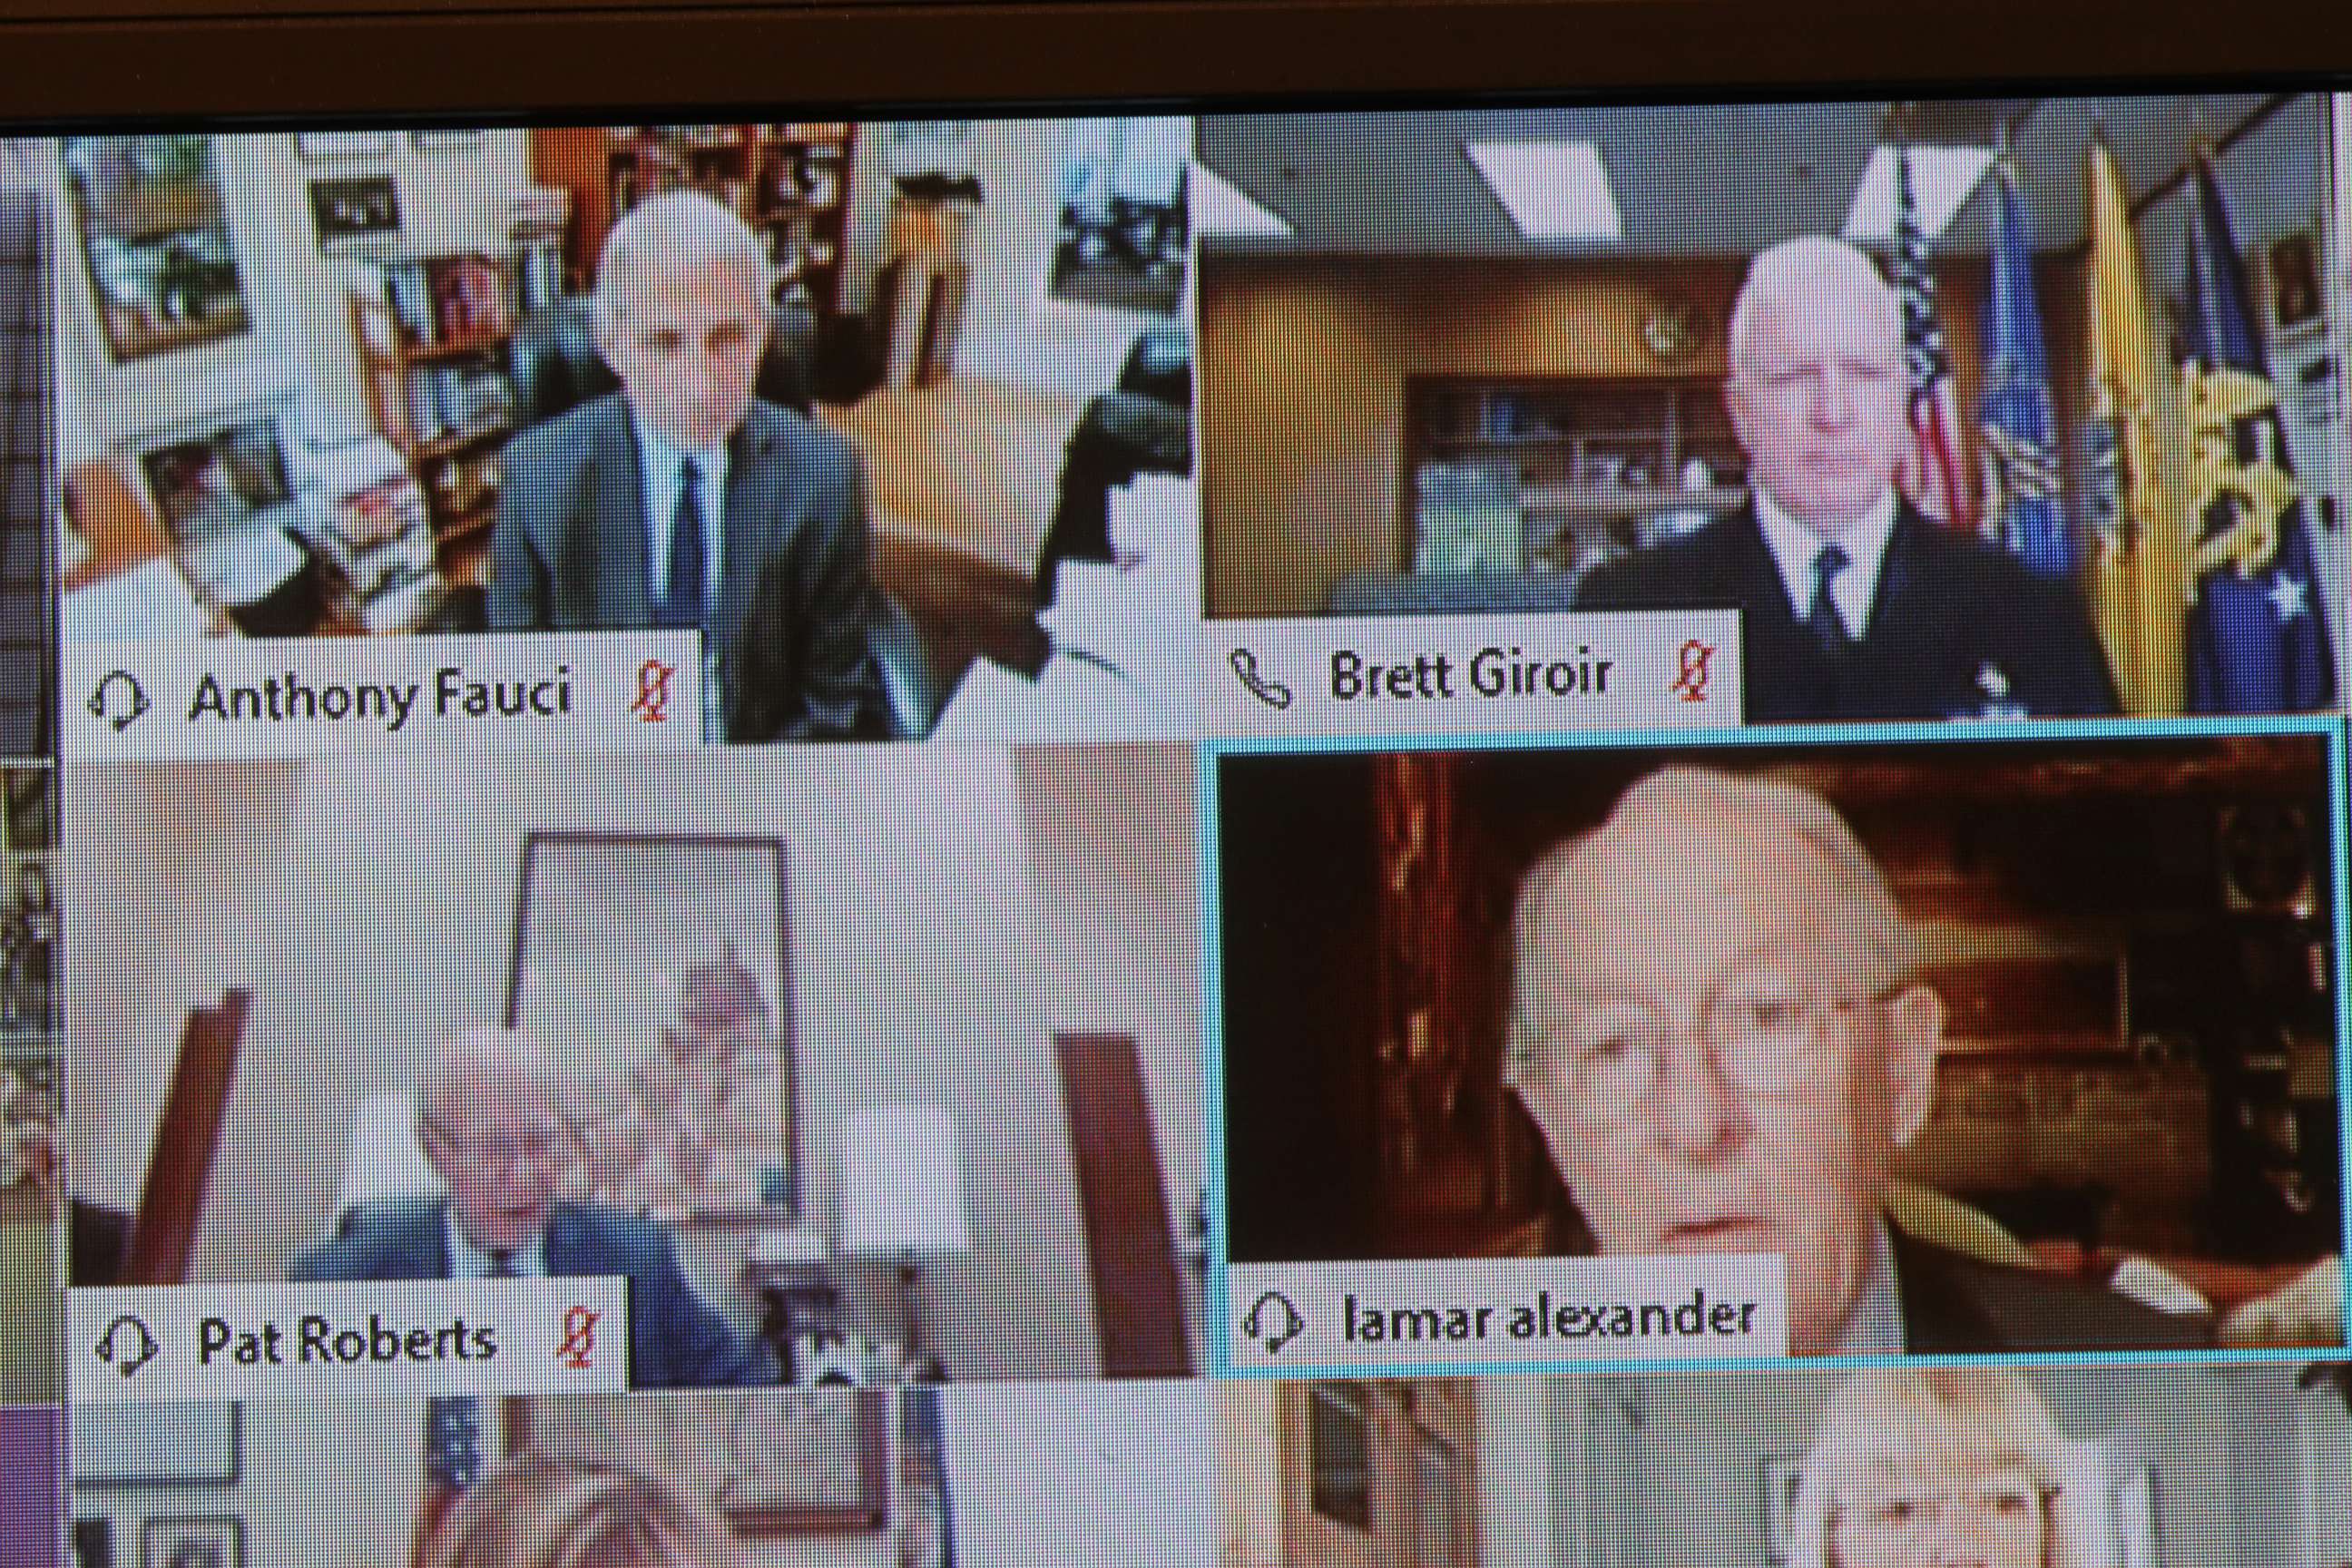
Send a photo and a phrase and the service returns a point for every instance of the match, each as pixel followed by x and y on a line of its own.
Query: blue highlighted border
pixel 1209 757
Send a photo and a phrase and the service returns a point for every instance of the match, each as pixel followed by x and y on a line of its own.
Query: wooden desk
pixel 123 531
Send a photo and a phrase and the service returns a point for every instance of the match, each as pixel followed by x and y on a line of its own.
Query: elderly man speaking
pixel 1717 1031
pixel 490 1123
pixel 1853 605
pixel 681 502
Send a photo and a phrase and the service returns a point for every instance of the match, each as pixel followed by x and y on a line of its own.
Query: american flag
pixel 1934 474
pixel 453 1463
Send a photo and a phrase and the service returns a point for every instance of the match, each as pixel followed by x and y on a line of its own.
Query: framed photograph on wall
pixel 660 965
pixel 189 1540
pixel 342 208
pixel 155 236
pixel 2291 266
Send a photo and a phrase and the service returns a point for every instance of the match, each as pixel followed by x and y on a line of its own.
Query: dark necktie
pixel 681 607
pixel 453 1422
pixel 1829 629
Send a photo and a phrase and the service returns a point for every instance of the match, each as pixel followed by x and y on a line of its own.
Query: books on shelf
pixel 458 399
pixel 435 300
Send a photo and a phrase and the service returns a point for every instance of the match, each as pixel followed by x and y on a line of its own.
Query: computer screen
pixel 1562 833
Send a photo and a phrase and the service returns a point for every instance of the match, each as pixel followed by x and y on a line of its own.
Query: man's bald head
pixel 1812 272
pixel 1816 386
pixel 481 1064
pixel 488 1119
pixel 667 236
pixel 682 316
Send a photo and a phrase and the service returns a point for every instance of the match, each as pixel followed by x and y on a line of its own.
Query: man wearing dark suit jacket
pixel 488 1122
pixel 1853 606
pixel 681 502
pixel 1719 1032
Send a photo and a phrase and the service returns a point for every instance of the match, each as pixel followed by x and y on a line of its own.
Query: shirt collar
pixel 663 459
pixel 1794 546
pixel 1874 1327
pixel 468 1261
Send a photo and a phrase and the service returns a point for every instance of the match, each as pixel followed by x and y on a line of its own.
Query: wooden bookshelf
pixel 1578 463
pixel 789 182
pixel 393 353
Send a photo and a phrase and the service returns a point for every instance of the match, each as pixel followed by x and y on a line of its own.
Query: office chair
pixel 555 365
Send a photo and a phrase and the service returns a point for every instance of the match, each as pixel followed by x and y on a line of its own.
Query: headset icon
pixel 1273 1321
pixel 141 1350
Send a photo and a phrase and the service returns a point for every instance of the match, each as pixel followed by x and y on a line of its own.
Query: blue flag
pixel 2017 418
pixel 2258 637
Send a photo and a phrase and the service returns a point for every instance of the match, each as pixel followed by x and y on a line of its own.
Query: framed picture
pixel 193 1540
pixel 1777 1478
pixel 93 1544
pixel 318 144
pixel 208 484
pixel 2293 263
pixel 342 208
pixel 659 965
pixel 177 1443
pixel 773 1461
pixel 153 226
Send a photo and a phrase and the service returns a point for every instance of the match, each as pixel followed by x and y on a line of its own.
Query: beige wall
pixel 1305 360
pixel 368 905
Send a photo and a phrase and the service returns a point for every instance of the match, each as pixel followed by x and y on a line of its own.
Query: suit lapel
pixel 561 1243
pixel 434 1246
pixel 1941 1309
pixel 616 493
pixel 759 487
pixel 1910 627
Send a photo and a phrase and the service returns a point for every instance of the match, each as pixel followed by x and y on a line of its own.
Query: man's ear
pixel 1735 404
pixel 438 1150
pixel 1914 1041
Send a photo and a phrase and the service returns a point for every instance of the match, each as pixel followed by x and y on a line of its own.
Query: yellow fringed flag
pixel 2136 580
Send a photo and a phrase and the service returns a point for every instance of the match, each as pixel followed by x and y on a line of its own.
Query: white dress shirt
pixel 661 467
pixel 1794 547
pixel 468 1261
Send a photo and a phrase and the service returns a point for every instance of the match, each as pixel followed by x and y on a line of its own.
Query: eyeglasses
pixel 1892 1518
pixel 1766 1035
pixel 502 1152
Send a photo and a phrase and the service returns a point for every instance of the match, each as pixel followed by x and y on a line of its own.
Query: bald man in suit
pixel 1852 605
